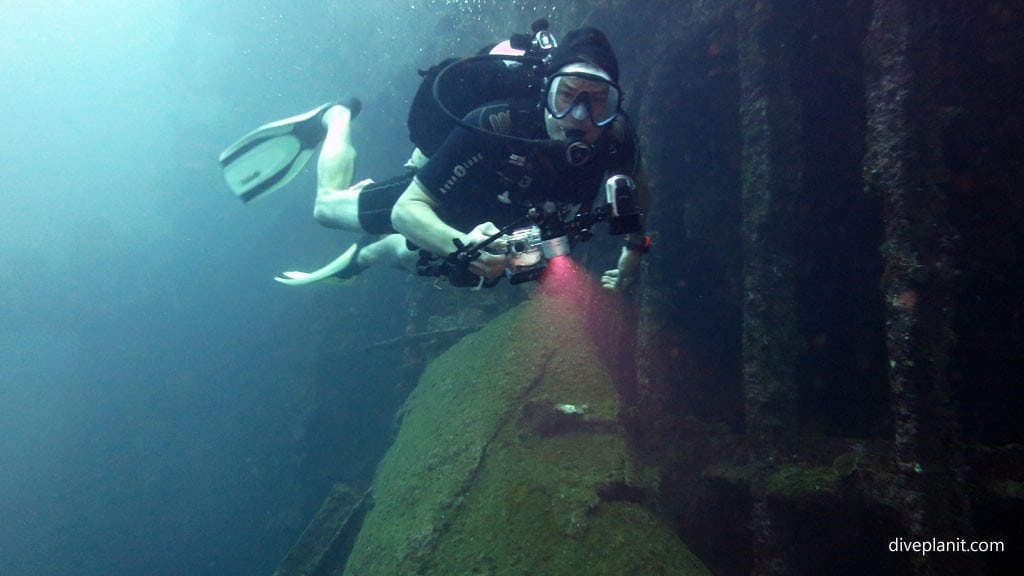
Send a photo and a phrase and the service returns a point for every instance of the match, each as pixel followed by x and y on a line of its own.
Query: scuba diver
pixel 532 132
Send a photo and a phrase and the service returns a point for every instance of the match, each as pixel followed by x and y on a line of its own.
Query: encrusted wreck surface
pixel 510 460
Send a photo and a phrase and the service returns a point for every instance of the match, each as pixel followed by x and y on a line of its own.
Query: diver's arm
pixel 414 216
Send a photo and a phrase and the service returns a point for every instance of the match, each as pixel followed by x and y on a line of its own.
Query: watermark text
pixel 924 547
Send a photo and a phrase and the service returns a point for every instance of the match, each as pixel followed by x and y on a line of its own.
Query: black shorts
pixel 376 201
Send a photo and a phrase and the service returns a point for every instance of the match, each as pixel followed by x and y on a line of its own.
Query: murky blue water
pixel 165 407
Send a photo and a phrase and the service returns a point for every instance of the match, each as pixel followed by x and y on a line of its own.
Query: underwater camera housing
pixel 529 249
pixel 528 253
pixel 525 258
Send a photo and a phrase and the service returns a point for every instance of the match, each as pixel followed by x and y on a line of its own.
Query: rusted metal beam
pixel 903 166
pixel 771 183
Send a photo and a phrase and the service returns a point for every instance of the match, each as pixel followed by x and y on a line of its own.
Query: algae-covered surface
pixel 490 474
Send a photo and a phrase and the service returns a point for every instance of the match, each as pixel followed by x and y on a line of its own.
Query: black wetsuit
pixel 476 178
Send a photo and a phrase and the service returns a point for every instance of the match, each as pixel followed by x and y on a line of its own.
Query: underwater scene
pixel 481 287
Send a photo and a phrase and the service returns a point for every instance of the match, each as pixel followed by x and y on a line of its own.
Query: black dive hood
pixel 524 77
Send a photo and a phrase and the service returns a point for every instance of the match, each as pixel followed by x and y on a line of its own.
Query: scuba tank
pixel 437 108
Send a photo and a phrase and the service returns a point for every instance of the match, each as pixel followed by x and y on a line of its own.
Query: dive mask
pixel 581 94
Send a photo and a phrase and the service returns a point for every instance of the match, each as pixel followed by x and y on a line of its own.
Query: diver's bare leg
pixel 390 250
pixel 336 199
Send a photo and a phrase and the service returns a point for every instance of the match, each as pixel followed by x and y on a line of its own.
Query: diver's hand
pixel 488 265
pixel 623 276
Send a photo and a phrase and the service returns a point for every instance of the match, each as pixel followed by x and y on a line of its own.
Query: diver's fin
pixel 340 271
pixel 270 156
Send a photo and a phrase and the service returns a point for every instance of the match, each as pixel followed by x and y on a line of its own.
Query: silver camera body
pixel 528 254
